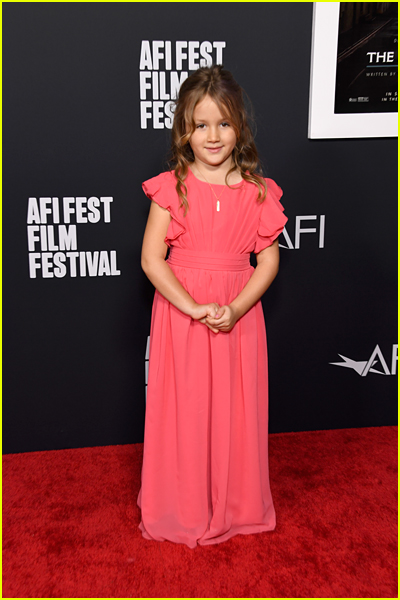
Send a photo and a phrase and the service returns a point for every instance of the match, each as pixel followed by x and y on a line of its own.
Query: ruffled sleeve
pixel 272 220
pixel 162 190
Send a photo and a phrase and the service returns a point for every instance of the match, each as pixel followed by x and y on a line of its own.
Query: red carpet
pixel 70 526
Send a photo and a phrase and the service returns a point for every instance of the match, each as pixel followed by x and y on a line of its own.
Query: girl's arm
pixel 154 251
pixel 262 277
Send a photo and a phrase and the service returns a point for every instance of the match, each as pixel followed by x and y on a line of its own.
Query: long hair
pixel 219 84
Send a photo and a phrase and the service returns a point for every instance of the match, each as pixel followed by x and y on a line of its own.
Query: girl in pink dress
pixel 205 467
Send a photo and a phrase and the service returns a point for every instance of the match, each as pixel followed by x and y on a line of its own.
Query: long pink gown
pixel 205 466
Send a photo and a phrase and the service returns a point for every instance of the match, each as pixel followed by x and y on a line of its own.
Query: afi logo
pixel 299 230
pixel 363 367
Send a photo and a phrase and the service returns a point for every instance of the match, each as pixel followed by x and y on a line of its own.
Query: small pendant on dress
pixel 217 205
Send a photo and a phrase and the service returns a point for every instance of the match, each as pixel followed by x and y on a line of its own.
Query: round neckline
pixel 235 185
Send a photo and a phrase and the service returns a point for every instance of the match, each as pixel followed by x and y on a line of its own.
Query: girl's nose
pixel 213 134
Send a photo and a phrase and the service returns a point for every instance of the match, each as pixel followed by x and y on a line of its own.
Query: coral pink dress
pixel 205 466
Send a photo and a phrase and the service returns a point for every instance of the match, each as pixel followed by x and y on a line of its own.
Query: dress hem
pixel 240 530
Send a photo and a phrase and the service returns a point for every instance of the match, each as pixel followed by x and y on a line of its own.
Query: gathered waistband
pixel 212 261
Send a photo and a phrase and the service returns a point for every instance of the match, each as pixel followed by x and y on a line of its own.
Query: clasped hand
pixel 217 318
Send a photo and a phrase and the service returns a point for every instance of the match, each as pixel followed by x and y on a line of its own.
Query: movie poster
pixel 366 77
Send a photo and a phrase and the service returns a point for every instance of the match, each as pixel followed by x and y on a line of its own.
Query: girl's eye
pixel 200 126
pixel 225 124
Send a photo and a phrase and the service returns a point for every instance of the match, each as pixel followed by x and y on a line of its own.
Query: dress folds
pixel 205 470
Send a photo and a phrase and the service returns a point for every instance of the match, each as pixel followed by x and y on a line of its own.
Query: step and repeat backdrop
pixel 87 112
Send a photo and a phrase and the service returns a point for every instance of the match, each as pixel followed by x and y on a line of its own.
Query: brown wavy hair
pixel 219 84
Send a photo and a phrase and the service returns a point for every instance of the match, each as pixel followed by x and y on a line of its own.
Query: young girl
pixel 205 467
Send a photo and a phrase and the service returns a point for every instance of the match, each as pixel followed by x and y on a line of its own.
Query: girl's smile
pixel 214 150
pixel 213 139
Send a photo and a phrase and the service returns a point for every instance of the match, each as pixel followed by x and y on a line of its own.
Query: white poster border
pixel 322 121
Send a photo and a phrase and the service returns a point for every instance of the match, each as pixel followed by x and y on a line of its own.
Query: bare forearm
pixel 164 280
pixel 154 250
pixel 259 282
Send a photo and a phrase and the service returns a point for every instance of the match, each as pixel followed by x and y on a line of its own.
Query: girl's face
pixel 213 139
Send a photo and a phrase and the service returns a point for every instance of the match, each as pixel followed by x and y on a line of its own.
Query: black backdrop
pixel 74 347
